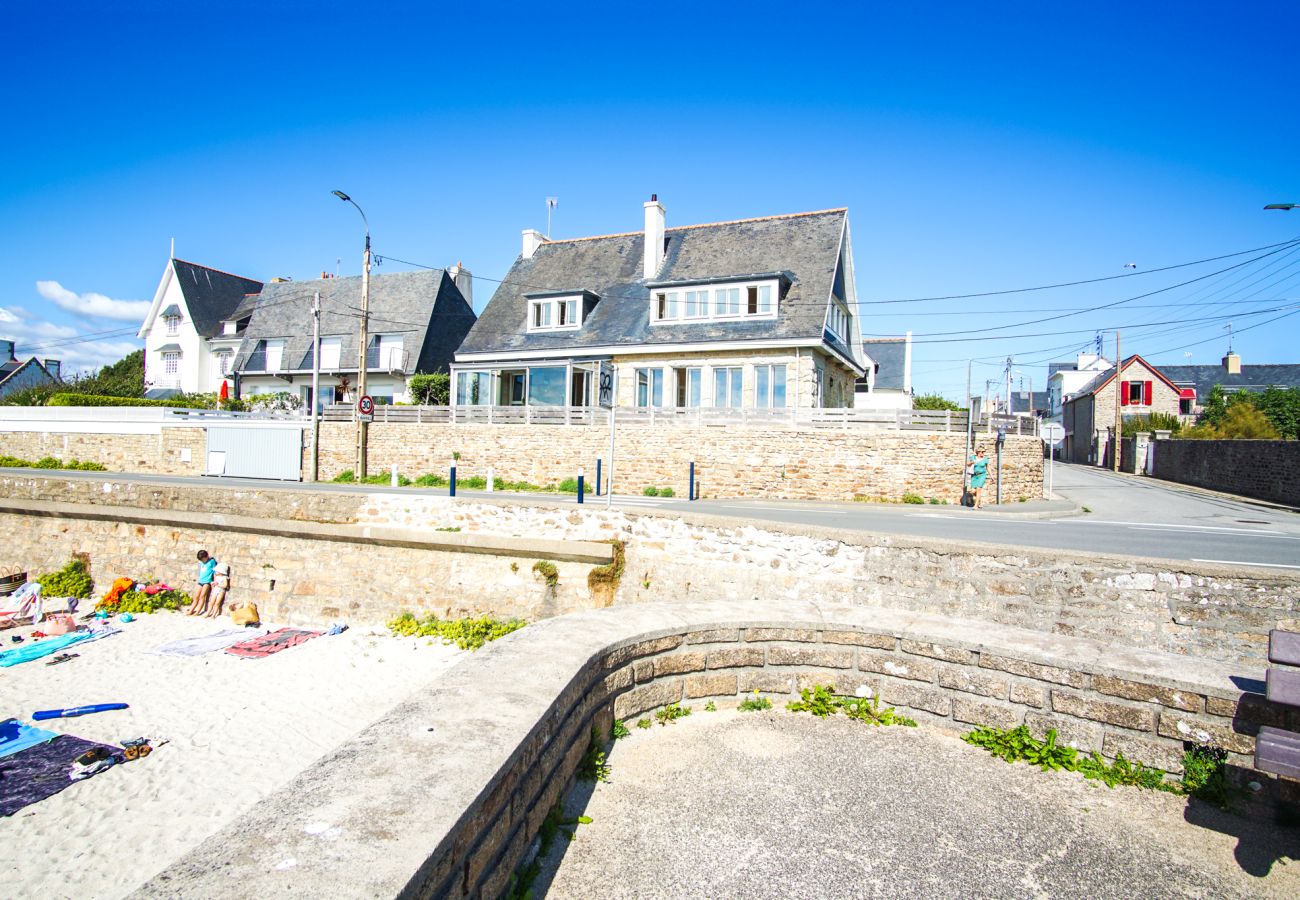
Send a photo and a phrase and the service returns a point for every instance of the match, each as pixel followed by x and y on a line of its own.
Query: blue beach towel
pixel 43 647
pixel 15 736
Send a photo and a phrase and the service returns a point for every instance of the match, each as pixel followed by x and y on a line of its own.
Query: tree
pixel 124 378
pixel 1215 408
pixel 1244 421
pixel 934 401
pixel 1282 407
pixel 430 389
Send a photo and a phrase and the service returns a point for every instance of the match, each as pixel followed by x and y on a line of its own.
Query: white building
pixel 1065 380
pixel 887 383
pixel 188 348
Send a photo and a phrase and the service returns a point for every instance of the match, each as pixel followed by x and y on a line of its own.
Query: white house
pixel 1065 380
pixel 887 383
pixel 187 345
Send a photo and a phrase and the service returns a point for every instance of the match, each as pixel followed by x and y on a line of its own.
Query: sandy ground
pixel 778 805
pixel 236 730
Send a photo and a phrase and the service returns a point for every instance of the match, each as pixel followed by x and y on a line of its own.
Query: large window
pixel 697 304
pixel 726 302
pixel 769 387
pixel 223 362
pixel 741 301
pixel 689 382
pixel 649 387
pixel 665 306
pixel 555 314
pixel 171 363
pixel 546 386
pixel 728 386
pixel 838 322
pixel 473 388
pixel 330 350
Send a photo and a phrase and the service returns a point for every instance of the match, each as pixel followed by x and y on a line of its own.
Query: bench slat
pixel 1283 686
pixel 1278 752
pixel 1284 647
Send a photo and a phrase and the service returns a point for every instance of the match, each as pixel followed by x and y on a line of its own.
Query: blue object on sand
pixel 75 711
pixel 15 736
pixel 44 647
pixel 126 617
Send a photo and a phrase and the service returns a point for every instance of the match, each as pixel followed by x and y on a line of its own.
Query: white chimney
pixel 464 281
pixel 654 237
pixel 1232 362
pixel 532 240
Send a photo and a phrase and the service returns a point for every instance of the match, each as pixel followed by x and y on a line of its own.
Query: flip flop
pixel 94 755
pixel 62 658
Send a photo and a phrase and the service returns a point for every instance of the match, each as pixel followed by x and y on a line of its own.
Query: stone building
pixel 1196 382
pixel 1142 389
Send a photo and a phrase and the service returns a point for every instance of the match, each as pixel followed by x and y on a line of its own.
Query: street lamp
pixel 1285 207
pixel 361 350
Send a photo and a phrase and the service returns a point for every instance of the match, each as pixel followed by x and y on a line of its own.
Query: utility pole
pixel 1010 405
pixel 315 387
pixel 1119 372
pixel 965 461
pixel 361 350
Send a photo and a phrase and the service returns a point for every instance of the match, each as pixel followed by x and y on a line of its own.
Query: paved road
pixel 1126 515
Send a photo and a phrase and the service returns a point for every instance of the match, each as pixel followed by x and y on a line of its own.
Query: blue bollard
pixel 581 478
pixel 598 476
pixel 452 481
pixel 690 491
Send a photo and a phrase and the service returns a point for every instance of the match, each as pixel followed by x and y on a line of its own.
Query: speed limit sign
pixel 366 406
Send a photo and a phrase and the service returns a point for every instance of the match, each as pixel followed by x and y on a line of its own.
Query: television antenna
pixel 551 204
pixel 1229 327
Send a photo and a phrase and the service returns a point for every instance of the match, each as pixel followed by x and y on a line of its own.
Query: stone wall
pixel 162 453
pixel 1266 470
pixel 1194 609
pixel 808 464
pixel 461 798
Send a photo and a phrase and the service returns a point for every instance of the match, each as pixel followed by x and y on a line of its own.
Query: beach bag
pixel 59 623
pixel 245 615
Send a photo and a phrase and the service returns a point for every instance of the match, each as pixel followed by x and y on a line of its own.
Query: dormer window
pixel 558 313
pixel 837 322
pixel 742 300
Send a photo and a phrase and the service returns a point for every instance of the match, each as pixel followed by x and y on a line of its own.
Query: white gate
pixel 254 452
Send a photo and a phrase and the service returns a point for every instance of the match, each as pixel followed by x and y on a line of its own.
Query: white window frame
pixel 649 378
pixel 224 359
pixel 331 353
pixel 556 313
pixel 765 394
pixel 702 303
pixel 173 324
pixel 734 376
pixel 838 320
pixel 171 361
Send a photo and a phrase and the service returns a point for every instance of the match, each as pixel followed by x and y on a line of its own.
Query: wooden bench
pixel 1278 751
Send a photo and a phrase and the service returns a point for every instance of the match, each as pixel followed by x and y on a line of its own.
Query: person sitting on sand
pixel 207 568
pixel 220 587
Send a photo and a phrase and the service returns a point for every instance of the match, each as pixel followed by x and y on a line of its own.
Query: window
pixel 542 315
pixel 769 387
pixel 1186 406
pixel 473 388
pixel 171 363
pixel 697 304
pixel 568 312
pixel 274 355
pixel 330 351
pixel 555 314
pixel 1135 393
pixel 726 302
pixel 838 322
pixel 727 386
pixel 223 362
pixel 665 307
pixel 756 300
pixel 649 387
pixel 689 381
pixel 173 324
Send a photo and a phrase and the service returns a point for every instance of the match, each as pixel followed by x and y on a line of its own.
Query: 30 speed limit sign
pixel 366 406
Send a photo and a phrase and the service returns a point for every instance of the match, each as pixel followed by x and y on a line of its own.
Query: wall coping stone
pixel 410 788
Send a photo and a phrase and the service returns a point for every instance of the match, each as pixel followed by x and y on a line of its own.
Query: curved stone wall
pixel 445 795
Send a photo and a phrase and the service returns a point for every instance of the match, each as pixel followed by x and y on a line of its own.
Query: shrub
pixel 467 633
pixel 547 570
pixel 934 401
pixel 433 389
pixel 70 581
pixel 280 401
pixel 49 462
pixel 667 492
pixel 756 702
pixel 1155 421
pixel 651 492
pixel 909 497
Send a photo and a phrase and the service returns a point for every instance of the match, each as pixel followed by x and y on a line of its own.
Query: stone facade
pixel 1266 470
pixel 1088 419
pixel 163 453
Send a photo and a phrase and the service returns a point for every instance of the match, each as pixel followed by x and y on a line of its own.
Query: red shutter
pixel 1123 393
pixel 1146 394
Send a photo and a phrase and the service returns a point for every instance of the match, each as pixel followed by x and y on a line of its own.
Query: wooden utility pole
pixel 1119 373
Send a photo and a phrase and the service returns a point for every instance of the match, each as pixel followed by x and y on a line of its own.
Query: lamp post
pixel 361 350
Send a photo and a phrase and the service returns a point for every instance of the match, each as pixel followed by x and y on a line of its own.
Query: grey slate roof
pixel 804 247
pixel 211 295
pixel 1252 378
pixel 426 308
pixel 1024 402
pixel 890 358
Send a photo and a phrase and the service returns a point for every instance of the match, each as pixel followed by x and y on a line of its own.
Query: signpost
pixel 366 409
pixel 1052 434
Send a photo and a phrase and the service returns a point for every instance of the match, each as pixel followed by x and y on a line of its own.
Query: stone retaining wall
pixel 159 454
pixel 1266 470
pixel 445 796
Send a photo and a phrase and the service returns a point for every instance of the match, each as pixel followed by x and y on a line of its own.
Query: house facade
pixel 887 381
pixel 1142 390
pixel 754 314
pixel 187 348
pixel 1066 379
pixel 416 322
pixel 17 375
pixel 1196 382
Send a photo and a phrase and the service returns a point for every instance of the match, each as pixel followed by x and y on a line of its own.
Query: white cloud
pixel 46 340
pixel 92 304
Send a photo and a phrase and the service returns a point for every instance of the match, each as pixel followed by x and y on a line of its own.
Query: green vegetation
pixel 755 702
pixel 821 700
pixel 467 633
pixel 935 401
pixel 710 707
pixel 1270 415
pixel 140 602
pixel 49 462
pixel 70 581
pixel 667 492
pixel 593 766
pixel 603 581
pixel 347 476
pixel 449 528
pixel 671 713
pixel 1151 422
pixel 547 570
pixel 555 824
pixel 644 723
pixel 651 492
pixel 430 389
pixel 619 730
pixel 1205 776
pixel 909 497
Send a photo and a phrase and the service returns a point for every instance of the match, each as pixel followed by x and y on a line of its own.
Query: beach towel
pixel 197 646
pixel 47 646
pixel 267 644
pixel 15 736
pixel 40 771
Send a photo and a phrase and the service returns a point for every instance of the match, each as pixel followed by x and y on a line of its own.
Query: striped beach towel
pixel 267 644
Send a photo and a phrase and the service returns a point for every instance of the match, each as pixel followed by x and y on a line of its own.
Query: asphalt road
pixel 1124 515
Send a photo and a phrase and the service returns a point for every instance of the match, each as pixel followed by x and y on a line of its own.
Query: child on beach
pixel 221 587
pixel 207 569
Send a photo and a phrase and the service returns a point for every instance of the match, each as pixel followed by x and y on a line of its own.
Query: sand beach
pixel 227 731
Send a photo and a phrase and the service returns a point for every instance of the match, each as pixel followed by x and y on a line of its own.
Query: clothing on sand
pixel 15 736
pixel 40 771
pixel 197 646
pixel 271 643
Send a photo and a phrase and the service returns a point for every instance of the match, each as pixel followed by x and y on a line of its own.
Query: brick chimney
pixel 654 237
pixel 54 366
pixel 464 280
pixel 1232 362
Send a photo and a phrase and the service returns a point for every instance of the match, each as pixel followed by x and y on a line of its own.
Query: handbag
pixel 245 614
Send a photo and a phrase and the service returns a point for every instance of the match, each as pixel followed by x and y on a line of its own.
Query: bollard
pixel 491 480
pixel 394 479
pixel 597 476
pixel 581 478
pixel 452 482
pixel 690 490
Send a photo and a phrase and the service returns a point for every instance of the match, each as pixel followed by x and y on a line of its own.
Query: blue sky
pixel 978 148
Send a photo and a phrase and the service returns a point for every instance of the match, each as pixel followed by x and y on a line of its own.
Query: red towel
pixel 266 644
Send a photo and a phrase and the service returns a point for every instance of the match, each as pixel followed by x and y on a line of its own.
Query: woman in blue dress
pixel 979 473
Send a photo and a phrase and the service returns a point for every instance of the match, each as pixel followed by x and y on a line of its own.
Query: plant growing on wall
pixel 547 570
pixel 603 581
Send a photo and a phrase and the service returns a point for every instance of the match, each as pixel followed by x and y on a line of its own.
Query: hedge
pixel 96 400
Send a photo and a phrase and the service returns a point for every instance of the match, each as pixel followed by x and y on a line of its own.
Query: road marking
pixel 1233 532
pixel 794 509
pixel 1175 527
pixel 1237 562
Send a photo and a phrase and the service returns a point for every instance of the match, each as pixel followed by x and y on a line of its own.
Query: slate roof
pixel 426 308
pixel 1252 378
pixel 12 369
pixel 890 358
pixel 804 247
pixel 1023 402
pixel 211 294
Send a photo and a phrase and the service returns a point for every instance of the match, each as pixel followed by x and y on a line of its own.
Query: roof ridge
pixel 211 269
pixel 597 237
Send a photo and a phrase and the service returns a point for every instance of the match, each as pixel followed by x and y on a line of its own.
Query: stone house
pixel 754 314
pixel 416 322
pixel 187 345
pixel 1196 382
pixel 17 375
pixel 1143 389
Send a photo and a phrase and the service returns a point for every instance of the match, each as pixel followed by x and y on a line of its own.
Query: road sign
pixel 1053 433
pixel 366 408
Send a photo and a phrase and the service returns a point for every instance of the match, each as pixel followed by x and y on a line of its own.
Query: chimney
pixel 53 366
pixel 1232 362
pixel 464 280
pixel 6 351
pixel 532 240
pixel 654 237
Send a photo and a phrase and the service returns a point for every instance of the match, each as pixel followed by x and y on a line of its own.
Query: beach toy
pixel 76 711
pixel 126 617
